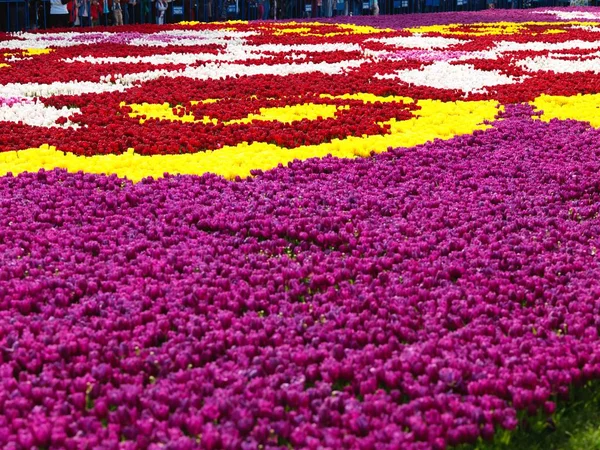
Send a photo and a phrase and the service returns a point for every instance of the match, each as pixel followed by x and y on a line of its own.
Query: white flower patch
pixel 591 28
pixel 183 42
pixel 172 58
pixel 554 63
pixel 376 55
pixel 37 114
pixel 55 40
pixel 481 54
pixel 296 56
pixel 208 34
pixel 305 48
pixel 419 41
pixel 506 46
pixel 443 75
pixel 119 82
pixel 30 40
pixel 221 71
pixel 59 88
pixel 165 38
pixel 570 15
pixel 231 53
pixel 190 38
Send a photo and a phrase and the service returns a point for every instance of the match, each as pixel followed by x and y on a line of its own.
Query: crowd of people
pixel 32 14
pixel 85 13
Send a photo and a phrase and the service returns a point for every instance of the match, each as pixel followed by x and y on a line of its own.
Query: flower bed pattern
pixel 415 297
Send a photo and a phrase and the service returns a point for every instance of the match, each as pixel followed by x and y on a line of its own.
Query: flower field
pixel 375 233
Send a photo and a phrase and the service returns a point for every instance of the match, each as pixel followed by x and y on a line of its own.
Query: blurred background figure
pixel 125 11
pixel 84 12
pixel 117 12
pixel 146 11
pixel 131 6
pixel 96 13
pixel 161 10
pixel 105 12
pixel 59 14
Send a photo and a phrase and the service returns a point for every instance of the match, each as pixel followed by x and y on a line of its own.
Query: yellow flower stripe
pixel 301 28
pixel 554 31
pixel 585 108
pixel 362 29
pixel 367 97
pixel 305 30
pixel 292 113
pixel 30 52
pixel 284 114
pixel 37 51
pixel 163 111
pixel 494 28
pixel 435 120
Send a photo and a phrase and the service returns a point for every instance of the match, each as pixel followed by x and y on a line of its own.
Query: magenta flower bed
pixel 469 17
pixel 413 299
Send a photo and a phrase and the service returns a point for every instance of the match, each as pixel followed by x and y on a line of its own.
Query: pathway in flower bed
pixel 413 298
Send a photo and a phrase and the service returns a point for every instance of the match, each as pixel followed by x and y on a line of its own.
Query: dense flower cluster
pixel 231 98
pixel 433 272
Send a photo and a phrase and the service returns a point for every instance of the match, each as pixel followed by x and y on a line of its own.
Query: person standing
pixel 208 12
pixel 84 11
pixel 96 13
pixel 59 14
pixel 133 16
pixel 117 12
pixel 161 9
pixel 125 11
pixel 267 9
pixel 73 14
pixel 146 11
pixel 105 12
pixel 169 12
